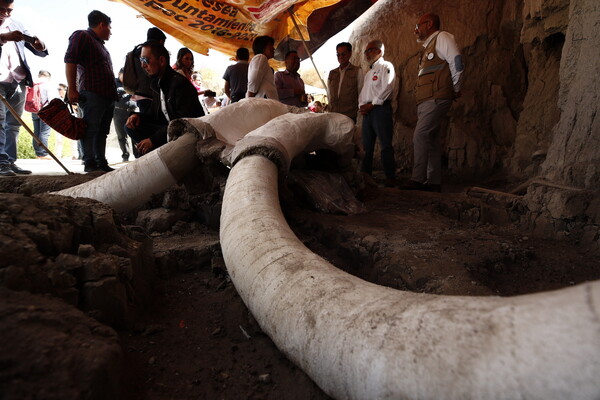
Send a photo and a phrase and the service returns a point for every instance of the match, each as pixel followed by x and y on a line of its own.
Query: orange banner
pixel 227 25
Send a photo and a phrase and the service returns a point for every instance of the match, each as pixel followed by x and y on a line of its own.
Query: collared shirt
pixel 447 49
pixel 286 83
pixel 237 76
pixel 94 65
pixel 260 78
pixel 378 84
pixel 11 68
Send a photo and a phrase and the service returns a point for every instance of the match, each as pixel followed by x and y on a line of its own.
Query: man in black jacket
pixel 173 96
pixel 143 91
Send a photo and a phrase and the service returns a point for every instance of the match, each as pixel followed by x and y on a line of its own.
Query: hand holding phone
pixel 29 39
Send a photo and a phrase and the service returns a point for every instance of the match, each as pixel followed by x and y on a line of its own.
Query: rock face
pixel 530 97
pixel 75 250
pixel 574 155
pixel 512 50
pixel 52 351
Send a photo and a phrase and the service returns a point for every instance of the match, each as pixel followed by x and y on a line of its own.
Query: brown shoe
pixel 413 185
pixel 425 187
pixel 390 182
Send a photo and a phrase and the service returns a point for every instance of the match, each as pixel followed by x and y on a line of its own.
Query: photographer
pixel 14 77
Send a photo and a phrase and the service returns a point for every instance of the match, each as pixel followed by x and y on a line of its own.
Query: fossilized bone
pixel 132 185
pixel 362 341
pixel 357 340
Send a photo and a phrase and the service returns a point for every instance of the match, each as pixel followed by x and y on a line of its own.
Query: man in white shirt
pixel 375 105
pixel 438 84
pixel 261 81
pixel 14 77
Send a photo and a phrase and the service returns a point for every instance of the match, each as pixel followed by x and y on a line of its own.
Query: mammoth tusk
pixel 357 340
pixel 132 185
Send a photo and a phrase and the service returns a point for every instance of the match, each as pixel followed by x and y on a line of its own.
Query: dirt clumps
pixel 184 331
pixel 50 350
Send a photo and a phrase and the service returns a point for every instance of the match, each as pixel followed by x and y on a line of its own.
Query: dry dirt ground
pixel 190 336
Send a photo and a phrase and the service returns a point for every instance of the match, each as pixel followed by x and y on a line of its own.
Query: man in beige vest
pixel 438 84
pixel 344 83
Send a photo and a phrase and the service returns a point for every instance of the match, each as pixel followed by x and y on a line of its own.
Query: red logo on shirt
pixel 375 77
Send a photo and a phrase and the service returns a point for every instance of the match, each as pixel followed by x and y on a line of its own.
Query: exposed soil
pixel 195 339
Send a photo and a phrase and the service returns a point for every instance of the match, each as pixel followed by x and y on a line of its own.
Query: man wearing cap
pixel 375 105
pixel 438 84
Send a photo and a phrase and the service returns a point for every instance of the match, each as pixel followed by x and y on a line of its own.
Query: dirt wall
pixel 530 99
pixel 512 51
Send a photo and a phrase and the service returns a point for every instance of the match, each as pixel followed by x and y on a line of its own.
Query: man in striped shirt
pixel 92 85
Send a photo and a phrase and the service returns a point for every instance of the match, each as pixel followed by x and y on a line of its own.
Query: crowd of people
pixel 153 90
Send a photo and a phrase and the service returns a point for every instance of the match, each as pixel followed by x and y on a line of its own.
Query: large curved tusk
pixel 357 340
pixel 132 185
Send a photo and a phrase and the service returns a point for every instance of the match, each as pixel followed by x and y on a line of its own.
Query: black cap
pixel 155 34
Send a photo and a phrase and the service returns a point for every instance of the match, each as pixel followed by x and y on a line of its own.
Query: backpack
pixel 130 77
pixel 33 98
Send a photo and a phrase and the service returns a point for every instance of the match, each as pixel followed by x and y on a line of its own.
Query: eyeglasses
pixel 6 11
pixel 419 24
pixel 144 60
pixel 370 49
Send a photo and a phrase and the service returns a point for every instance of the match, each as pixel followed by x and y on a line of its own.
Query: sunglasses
pixel 144 60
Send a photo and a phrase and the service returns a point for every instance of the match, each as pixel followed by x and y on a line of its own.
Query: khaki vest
pixel 435 80
pixel 347 101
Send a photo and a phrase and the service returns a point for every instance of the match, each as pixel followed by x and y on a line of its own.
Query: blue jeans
pixel 98 114
pixel 9 125
pixel 379 124
pixel 42 131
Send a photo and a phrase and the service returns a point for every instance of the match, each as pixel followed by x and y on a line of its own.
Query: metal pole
pixel 290 11
pixel 28 129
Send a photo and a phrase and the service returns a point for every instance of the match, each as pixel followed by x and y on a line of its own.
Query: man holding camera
pixel 15 76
